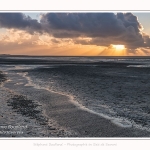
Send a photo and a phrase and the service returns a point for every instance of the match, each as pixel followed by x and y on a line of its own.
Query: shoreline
pixel 85 123
pixel 67 115
pixel 23 116
pixel 80 122
pixel 70 98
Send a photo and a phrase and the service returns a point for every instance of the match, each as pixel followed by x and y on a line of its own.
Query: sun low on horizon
pixel 119 47
pixel 75 34
pixel 119 50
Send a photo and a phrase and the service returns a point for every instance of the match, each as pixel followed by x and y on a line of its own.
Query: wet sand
pixel 69 117
pixel 84 123
pixel 27 105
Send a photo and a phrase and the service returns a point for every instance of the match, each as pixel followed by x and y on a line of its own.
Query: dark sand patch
pixel 32 110
pixel 28 108
pixel 2 77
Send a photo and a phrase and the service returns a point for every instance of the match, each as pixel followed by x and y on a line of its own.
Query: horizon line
pixel 17 55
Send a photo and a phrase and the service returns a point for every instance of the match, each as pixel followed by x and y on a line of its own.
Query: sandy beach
pixel 41 112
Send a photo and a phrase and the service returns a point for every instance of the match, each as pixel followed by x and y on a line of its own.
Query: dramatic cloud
pixel 100 29
pixel 19 21
pixel 83 24
pixel 103 28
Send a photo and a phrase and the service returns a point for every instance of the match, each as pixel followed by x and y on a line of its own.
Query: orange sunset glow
pixel 73 34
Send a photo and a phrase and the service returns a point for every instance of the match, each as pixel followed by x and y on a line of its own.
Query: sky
pixel 75 34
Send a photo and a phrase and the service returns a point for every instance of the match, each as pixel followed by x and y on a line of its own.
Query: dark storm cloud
pixel 19 21
pixel 103 28
pixel 128 19
pixel 86 24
